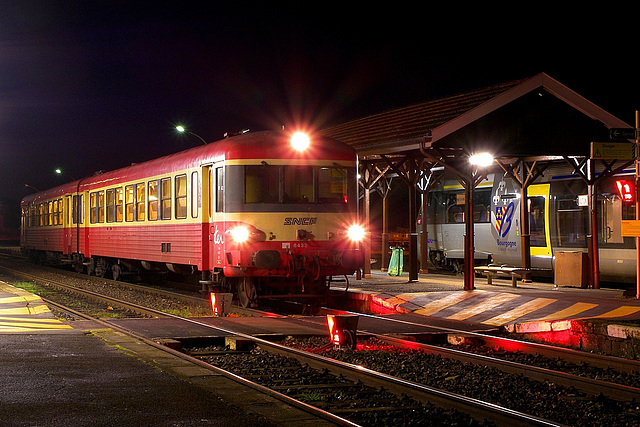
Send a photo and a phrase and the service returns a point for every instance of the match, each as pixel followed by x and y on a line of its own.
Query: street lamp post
pixel 181 129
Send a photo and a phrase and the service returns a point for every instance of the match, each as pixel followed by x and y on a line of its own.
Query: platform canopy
pixel 536 116
pixel 525 124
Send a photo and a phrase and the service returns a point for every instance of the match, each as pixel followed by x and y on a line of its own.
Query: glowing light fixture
pixel 626 190
pixel 300 141
pixel 481 159
pixel 342 329
pixel 355 233
pixel 239 234
pixel 182 129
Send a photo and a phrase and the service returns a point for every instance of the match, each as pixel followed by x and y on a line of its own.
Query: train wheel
pixel 246 292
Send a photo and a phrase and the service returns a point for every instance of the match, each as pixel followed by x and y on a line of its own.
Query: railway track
pixel 376 383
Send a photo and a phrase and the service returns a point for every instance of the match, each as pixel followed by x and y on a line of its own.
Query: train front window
pixel 295 184
pixel 261 184
pixel 332 185
pixel 298 184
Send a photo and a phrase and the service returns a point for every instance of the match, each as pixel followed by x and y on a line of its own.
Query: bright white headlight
pixel 355 233
pixel 239 234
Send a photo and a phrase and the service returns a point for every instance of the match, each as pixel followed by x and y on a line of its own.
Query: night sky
pixel 97 85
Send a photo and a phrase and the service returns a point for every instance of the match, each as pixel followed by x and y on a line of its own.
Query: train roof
pixel 263 145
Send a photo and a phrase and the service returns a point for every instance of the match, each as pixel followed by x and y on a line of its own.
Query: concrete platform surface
pixel 53 374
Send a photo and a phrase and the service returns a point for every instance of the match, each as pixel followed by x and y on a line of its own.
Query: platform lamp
pixel 182 129
pixel 58 171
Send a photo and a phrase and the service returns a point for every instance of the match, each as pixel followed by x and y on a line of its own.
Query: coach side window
pixel 220 189
pixel 96 203
pixel 165 185
pixel 129 203
pixel 153 200
pixel 140 202
pixel 76 211
pixel 181 196
pixel 195 194
pixel 114 204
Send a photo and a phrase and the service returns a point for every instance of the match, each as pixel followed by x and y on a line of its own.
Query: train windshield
pixel 295 184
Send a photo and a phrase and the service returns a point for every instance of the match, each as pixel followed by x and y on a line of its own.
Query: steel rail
pixel 332 418
pixel 526 347
pixel 473 407
pixel 84 292
pixel 587 385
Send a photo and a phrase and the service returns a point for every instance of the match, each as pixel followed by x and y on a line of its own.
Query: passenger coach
pixel 259 214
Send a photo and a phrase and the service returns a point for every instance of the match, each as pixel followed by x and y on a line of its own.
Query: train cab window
pixel 262 184
pixel 537 233
pixel 332 185
pixel 298 184
pixel 181 196
pixel 96 203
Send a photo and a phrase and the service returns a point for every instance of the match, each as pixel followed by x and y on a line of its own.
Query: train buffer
pixel 494 270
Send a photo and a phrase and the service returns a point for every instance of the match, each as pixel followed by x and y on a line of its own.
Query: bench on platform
pixel 493 270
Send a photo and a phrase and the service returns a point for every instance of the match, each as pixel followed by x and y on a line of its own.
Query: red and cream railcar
pixel 259 214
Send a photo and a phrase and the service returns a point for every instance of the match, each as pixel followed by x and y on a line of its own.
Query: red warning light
pixel 625 189
pixel 342 329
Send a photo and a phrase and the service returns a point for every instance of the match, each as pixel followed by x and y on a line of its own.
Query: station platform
pixel 530 307
pixel 59 373
pixel 56 374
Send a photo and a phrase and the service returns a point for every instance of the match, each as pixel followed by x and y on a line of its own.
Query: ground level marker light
pixel 220 303
pixel 342 329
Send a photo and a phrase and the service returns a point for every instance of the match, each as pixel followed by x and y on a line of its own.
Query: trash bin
pixel 572 269
pixel 396 261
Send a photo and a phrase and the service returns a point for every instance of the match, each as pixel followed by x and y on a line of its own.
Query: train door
pixel 540 241
pixel 610 211
pixel 67 226
pixel 213 207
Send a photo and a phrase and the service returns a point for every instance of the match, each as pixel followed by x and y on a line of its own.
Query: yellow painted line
pixel 573 310
pixel 15 325
pixel 625 310
pixel 526 308
pixel 27 309
pixel 18 299
pixel 448 301
pixel 483 306
pixel 51 320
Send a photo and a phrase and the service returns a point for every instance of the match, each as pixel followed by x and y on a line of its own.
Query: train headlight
pixel 300 141
pixel 239 234
pixel 355 233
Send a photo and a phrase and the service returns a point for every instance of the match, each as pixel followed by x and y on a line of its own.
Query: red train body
pixel 250 214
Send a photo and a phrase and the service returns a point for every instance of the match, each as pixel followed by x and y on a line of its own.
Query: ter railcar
pixel 251 214
pixel 558 220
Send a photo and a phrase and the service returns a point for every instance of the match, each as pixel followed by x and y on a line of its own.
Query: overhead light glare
pixel 300 141
pixel 481 159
